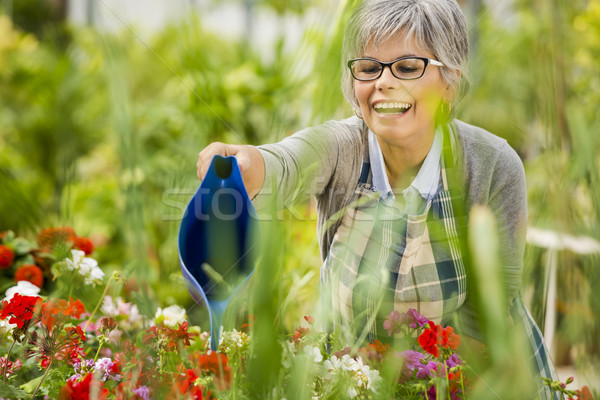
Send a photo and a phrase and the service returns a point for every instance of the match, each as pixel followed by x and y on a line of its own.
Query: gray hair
pixel 436 25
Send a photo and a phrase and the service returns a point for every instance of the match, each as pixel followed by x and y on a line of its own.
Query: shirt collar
pixel 427 180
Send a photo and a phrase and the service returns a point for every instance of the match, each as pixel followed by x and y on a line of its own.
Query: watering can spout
pixel 218 240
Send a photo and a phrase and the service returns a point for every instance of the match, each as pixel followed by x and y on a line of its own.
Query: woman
pixel 394 182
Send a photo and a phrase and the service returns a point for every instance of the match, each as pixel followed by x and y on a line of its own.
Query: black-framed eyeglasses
pixel 407 68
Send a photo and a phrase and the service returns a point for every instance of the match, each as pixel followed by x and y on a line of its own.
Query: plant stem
pixel 462 384
pixel 4 377
pixel 161 362
pixel 99 302
pixel 447 380
pixel 43 378
pixel 98 351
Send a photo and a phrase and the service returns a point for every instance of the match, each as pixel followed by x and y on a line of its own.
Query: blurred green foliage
pixel 101 132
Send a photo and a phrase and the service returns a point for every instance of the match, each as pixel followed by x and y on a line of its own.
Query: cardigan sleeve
pixel 508 202
pixel 299 166
pixel 495 177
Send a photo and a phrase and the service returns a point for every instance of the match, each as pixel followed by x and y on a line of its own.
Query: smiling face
pixel 401 112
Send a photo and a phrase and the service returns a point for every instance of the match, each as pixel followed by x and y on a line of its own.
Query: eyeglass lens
pixel 408 68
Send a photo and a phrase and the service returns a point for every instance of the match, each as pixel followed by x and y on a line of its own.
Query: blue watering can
pixel 218 240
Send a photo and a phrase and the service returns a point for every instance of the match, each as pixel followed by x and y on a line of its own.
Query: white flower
pixel 170 316
pixel 372 376
pixel 24 288
pixel 314 352
pixel 87 267
pixel 288 354
pixel 6 328
pixel 332 364
pixel 352 393
pixel 234 338
pixel 350 364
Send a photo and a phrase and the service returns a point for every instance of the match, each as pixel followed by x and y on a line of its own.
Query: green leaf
pixel 23 246
pixel 30 386
pixel 12 392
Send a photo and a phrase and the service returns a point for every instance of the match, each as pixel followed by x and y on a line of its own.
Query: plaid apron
pixel 383 259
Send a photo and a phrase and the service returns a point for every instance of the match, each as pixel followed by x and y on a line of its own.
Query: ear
pixel 449 91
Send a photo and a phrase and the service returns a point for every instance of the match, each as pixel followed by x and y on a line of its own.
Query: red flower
pixel 108 324
pixel 184 381
pixel 80 390
pixel 84 244
pixel 11 367
pixel 181 334
pixel 435 337
pixel 57 345
pixel 299 334
pixel 49 237
pixel 173 336
pixel 7 256
pixel 216 364
pixel 30 273
pixel 309 319
pixel 585 394
pixel 20 309
pixel 428 340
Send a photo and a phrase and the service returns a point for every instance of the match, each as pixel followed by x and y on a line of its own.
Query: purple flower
pixel 411 318
pixel 428 370
pixel 143 392
pixel 81 369
pixel 453 361
pixel 431 393
pixel 412 358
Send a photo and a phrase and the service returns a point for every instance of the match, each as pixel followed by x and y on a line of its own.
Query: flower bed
pixel 56 348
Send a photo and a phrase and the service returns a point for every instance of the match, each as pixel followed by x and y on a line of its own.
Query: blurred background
pixel 105 104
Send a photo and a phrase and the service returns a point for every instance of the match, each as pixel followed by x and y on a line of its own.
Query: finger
pixel 205 157
pixel 242 157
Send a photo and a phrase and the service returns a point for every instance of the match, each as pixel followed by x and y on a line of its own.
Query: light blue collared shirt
pixel 426 183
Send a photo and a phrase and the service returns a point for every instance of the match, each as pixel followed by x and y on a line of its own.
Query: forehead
pixel 398 45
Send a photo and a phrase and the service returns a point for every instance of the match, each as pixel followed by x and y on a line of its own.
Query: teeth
pixel 392 105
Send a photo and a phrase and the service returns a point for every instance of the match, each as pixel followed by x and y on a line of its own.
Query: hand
pixel 249 159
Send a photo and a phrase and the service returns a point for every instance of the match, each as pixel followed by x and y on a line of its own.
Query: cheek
pixel 429 97
pixel 362 92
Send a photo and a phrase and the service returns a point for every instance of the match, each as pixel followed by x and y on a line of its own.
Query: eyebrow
pixel 405 55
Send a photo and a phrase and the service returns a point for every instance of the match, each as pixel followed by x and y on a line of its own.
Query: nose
pixel 387 80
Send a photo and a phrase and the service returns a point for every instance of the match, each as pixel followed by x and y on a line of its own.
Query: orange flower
pixel 59 308
pixel 49 237
pixel 30 273
pixel 7 256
